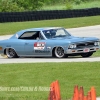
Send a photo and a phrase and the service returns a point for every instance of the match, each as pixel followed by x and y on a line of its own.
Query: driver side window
pixel 31 35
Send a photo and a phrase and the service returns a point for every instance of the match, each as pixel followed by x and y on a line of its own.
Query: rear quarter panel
pixel 16 44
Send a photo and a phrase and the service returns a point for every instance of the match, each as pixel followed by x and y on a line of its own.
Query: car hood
pixel 73 39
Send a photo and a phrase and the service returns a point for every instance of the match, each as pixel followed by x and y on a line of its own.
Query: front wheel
pixel 11 53
pixel 59 52
pixel 88 54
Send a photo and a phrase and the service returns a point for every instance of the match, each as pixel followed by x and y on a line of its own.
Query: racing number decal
pixel 39 45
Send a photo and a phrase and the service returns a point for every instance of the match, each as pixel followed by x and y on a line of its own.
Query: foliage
pixel 53 2
pixel 20 5
pixel 68 4
pixel 30 4
pixel 77 2
pixel 35 4
pixel 27 5
pixel 8 6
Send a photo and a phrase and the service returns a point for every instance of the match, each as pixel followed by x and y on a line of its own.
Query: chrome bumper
pixel 82 50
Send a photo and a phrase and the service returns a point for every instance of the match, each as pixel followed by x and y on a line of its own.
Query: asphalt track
pixel 91 31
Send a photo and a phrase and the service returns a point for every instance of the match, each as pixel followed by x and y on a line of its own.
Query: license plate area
pixel 86 50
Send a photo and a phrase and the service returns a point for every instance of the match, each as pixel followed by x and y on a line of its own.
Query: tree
pixel 9 6
pixel 20 5
pixel 35 4
pixel 30 4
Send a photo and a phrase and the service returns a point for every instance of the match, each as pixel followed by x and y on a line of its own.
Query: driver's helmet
pixel 50 33
pixel 47 34
pixel 53 33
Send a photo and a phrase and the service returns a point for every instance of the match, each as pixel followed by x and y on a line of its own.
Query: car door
pixel 29 47
pixel 40 48
pixel 36 45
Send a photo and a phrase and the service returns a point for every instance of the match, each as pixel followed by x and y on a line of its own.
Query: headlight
pixel 72 46
pixel 96 43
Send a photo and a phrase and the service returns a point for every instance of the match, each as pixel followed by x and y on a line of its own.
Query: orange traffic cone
pixel 52 92
pixel 76 93
pixel 81 94
pixel 85 98
pixel 93 93
pixel 89 95
pixel 55 91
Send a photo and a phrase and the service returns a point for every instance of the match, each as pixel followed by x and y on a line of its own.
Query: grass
pixel 82 5
pixel 11 28
pixel 97 54
pixel 34 75
pixel 54 7
pixel 92 4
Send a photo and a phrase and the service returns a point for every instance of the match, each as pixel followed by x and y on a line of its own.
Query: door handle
pixel 26 43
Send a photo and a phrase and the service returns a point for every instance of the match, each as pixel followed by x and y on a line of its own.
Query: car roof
pixel 40 29
pixel 19 33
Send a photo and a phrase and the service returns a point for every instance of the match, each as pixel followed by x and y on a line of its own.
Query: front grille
pixel 85 44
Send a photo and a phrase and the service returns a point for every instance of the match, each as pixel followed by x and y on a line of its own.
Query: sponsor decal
pixel 42 51
pixel 39 45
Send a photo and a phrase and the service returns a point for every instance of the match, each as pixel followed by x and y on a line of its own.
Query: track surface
pixel 91 31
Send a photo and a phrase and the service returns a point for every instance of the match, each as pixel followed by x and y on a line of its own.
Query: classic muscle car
pixel 48 42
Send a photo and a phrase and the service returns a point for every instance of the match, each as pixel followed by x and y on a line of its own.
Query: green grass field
pixel 42 74
pixel 90 4
pixel 11 28
pixel 82 5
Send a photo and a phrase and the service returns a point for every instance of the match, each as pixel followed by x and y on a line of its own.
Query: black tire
pixel 11 53
pixel 88 54
pixel 59 52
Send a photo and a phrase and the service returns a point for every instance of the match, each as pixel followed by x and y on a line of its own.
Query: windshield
pixel 54 33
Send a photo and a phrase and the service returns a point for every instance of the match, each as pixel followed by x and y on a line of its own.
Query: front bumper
pixel 82 50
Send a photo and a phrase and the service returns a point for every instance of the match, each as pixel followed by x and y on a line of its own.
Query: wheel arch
pixel 53 50
pixel 9 48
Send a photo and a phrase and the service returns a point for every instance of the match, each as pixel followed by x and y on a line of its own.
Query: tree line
pixel 30 5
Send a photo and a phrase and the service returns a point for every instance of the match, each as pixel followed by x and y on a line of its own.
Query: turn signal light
pixel 0 48
pixel 73 50
pixel 97 48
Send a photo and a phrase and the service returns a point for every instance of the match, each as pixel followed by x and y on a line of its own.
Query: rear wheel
pixel 11 53
pixel 88 54
pixel 59 52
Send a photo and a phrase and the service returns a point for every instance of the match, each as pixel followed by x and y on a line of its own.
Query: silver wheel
pixel 59 52
pixel 11 53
